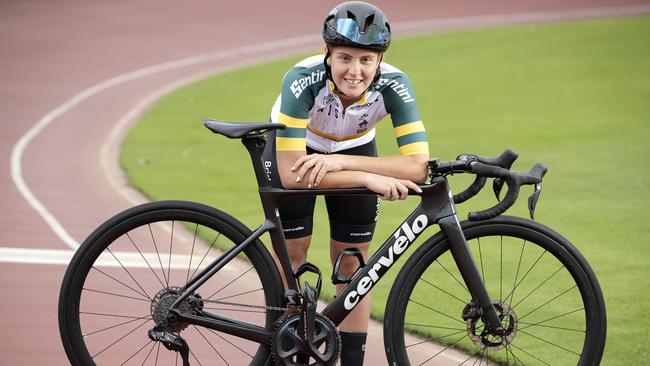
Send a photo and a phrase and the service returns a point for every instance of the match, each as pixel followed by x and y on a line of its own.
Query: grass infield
pixel 575 96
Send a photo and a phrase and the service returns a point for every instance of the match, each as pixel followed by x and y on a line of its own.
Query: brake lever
pixel 532 200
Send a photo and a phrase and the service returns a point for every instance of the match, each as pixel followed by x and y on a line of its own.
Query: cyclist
pixel 330 105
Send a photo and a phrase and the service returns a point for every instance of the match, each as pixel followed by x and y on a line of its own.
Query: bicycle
pixel 493 289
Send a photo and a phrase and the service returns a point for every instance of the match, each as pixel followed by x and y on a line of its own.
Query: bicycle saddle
pixel 238 130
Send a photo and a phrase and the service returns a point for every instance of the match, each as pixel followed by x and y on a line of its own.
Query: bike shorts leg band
pixel 294 229
pixel 351 233
pixel 296 215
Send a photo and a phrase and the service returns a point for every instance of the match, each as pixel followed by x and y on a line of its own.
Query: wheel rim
pixel 120 299
pixel 543 305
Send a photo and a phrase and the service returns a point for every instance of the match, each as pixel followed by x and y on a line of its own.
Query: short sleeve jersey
pixel 315 117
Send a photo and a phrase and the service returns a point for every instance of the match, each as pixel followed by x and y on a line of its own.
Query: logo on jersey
pixel 298 86
pixel 363 123
pixel 398 88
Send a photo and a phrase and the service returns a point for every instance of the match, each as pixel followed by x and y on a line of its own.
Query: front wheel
pixel 127 274
pixel 545 293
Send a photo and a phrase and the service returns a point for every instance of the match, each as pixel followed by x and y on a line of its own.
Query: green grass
pixel 573 95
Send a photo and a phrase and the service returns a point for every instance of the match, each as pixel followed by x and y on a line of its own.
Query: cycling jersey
pixel 315 117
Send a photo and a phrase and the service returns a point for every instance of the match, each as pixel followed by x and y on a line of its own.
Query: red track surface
pixel 54 50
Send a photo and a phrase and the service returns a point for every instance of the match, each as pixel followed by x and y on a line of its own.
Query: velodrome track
pixel 75 73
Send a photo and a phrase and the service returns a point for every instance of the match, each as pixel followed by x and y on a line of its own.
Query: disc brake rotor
pixel 482 337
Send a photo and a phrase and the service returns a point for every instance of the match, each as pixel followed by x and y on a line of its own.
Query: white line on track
pixel 434 24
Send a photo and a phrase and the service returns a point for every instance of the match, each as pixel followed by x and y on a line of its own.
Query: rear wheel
pixel 126 275
pixel 547 297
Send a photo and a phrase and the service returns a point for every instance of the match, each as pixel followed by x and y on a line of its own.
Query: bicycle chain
pixel 272 308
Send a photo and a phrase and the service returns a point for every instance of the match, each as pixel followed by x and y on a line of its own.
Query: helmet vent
pixel 369 20
pixel 351 15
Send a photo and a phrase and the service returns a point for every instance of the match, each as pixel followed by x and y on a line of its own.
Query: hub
pixel 482 337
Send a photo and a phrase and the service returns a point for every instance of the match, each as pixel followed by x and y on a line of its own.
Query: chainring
pixel 286 352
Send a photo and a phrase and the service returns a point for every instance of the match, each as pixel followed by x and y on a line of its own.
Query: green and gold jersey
pixel 315 117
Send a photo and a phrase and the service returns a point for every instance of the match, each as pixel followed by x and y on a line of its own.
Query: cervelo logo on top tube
pixel 402 241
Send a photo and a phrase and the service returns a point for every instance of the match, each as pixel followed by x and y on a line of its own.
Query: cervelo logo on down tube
pixel 399 246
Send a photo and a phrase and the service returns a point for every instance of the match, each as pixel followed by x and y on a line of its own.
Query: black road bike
pixel 176 282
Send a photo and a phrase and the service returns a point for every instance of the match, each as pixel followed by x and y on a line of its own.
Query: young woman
pixel 330 105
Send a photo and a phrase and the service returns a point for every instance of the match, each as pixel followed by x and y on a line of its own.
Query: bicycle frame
pixel 436 207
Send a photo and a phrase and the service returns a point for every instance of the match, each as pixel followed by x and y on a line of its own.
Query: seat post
pixel 255 145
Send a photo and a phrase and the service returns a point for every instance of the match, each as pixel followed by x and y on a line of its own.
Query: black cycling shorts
pixel 352 218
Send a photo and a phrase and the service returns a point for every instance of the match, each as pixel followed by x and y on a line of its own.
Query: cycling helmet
pixel 357 24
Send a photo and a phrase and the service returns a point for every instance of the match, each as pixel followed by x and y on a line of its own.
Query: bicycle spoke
pixel 501 270
pixel 187 277
pixel 193 355
pixel 157 353
pixel 116 325
pixel 430 340
pixel 239 294
pixel 136 352
pixel 528 353
pixel 529 325
pixel 145 259
pixel 171 245
pixel 211 345
pixel 153 345
pixel 129 273
pixel 114 315
pixel 514 285
pixel 205 255
pixel 444 291
pixel 526 274
pixel 443 350
pixel 121 283
pixel 550 319
pixel 229 283
pixel 119 339
pixel 480 359
pixel 115 294
pixel 229 342
pixel 546 303
pixel 437 311
pixel 454 277
pixel 551 343
pixel 538 287
pixel 480 256
pixel 435 326
pixel 162 268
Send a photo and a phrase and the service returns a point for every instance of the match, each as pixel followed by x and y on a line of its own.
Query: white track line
pixel 434 24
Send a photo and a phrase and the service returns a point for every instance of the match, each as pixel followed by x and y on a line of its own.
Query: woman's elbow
pixel 289 181
pixel 421 168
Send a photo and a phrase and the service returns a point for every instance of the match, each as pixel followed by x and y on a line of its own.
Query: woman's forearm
pixel 413 167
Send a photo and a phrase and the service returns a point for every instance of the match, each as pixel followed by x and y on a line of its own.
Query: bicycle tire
pixel 123 272
pixel 554 301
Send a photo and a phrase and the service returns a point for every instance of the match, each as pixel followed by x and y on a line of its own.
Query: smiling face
pixel 353 70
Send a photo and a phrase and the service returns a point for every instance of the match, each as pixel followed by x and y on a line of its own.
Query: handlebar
pixel 498 168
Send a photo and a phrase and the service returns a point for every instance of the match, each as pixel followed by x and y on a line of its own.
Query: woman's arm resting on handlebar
pixel 390 188
pixel 314 167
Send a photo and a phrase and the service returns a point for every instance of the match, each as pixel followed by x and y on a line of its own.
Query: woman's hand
pixel 388 188
pixel 319 164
